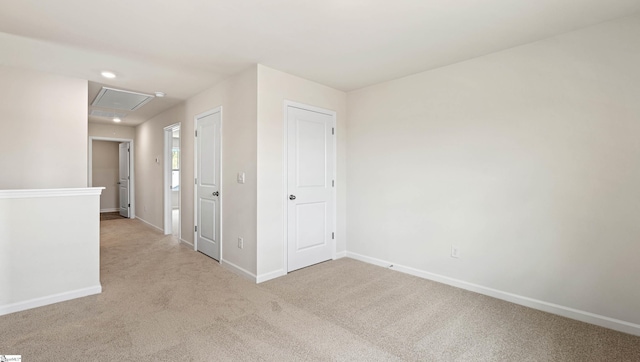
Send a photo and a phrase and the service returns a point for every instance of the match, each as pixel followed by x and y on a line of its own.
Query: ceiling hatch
pixel 120 99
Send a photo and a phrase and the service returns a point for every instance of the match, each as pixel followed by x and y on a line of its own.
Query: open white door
pixel 207 203
pixel 123 179
pixel 310 181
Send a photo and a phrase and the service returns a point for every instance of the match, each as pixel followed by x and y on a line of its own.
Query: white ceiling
pixel 183 47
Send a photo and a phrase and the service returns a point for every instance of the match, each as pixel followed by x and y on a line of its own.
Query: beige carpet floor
pixel 162 301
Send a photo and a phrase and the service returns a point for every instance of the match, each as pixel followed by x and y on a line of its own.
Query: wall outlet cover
pixel 455 251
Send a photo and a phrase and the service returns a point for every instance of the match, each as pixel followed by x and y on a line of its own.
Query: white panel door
pixel 123 179
pixel 310 197
pixel 208 184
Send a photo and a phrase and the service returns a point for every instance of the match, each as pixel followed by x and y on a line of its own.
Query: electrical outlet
pixel 240 243
pixel 455 251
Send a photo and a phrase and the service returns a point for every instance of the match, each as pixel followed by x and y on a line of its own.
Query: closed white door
pixel 310 182
pixel 123 179
pixel 208 184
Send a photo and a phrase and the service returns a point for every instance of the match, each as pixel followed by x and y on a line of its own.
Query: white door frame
pixel 195 170
pixel 132 194
pixel 167 194
pixel 285 193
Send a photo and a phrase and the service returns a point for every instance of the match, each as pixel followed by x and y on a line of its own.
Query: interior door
pixel 208 184
pixel 310 197
pixel 123 179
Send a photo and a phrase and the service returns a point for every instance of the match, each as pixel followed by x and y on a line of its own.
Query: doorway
pixel 111 165
pixel 207 191
pixel 172 176
pixel 310 183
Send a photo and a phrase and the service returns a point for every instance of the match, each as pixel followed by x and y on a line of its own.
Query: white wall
pixel 527 159
pixel 111 131
pixel 105 173
pixel 274 87
pixel 49 247
pixel 237 96
pixel 44 130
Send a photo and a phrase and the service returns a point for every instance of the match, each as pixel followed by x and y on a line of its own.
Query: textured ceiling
pixel 182 47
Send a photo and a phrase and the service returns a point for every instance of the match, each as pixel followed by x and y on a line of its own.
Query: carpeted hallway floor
pixel 104 216
pixel 163 302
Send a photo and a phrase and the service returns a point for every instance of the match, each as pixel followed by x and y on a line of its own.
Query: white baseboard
pixel 238 270
pixel 341 254
pixel 150 224
pixel 186 242
pixel 113 209
pixel 560 310
pixel 50 299
pixel 271 275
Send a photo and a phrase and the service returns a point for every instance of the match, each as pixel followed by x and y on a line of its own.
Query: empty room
pixel 210 180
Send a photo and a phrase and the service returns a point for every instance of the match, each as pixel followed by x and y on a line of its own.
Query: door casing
pixel 167 194
pixel 132 198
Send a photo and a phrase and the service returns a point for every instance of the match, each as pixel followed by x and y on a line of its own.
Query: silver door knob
pixel 216 193
pixel 292 197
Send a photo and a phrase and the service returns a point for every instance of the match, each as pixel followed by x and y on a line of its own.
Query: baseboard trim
pixel 186 242
pixel 238 270
pixel 580 315
pixel 271 275
pixel 50 299
pixel 113 209
pixel 150 224
pixel 341 254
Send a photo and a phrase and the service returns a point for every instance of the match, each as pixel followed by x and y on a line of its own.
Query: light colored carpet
pixel 164 302
pixel 110 216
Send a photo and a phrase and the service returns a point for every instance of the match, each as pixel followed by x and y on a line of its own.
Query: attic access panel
pixel 120 99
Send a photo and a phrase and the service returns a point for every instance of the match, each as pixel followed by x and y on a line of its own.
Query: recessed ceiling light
pixel 117 119
pixel 160 94
pixel 109 75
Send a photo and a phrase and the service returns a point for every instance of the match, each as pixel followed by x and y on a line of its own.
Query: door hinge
pixel 128 150
pixel 333 183
pixel 196 133
pixel 129 205
pixel 195 181
pixel 333 130
pixel 195 228
pixel 128 177
pixel 333 235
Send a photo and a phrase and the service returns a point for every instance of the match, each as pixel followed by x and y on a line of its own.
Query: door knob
pixel 216 193
pixel 292 197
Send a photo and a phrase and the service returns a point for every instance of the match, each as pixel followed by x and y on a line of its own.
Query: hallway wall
pixel 237 96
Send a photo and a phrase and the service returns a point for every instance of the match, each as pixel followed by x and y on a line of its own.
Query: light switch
pixel 240 177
